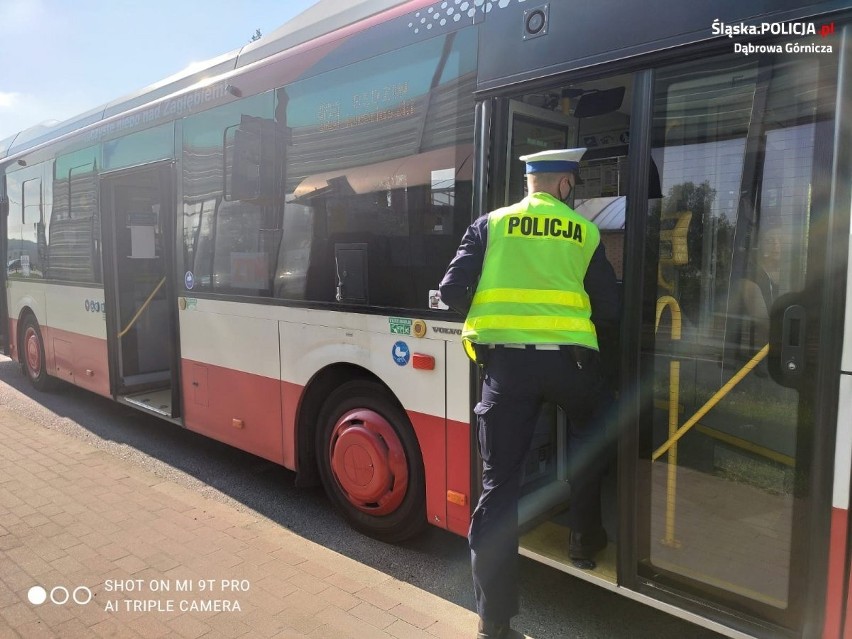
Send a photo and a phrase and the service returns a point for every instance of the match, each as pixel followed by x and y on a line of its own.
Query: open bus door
pixel 711 184
pixel 518 127
pixel 532 129
pixel 138 222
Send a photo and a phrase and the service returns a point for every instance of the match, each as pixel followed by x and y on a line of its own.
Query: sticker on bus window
pixel 400 353
pixel 189 280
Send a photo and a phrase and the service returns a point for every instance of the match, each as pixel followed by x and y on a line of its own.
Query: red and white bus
pixel 252 252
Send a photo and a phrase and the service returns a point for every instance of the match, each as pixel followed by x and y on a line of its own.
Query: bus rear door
pixel 138 219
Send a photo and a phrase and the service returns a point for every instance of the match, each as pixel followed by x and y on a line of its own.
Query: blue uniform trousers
pixel 516 385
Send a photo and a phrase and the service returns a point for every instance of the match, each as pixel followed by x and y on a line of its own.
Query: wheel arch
pixel 35 364
pixel 24 314
pixel 316 391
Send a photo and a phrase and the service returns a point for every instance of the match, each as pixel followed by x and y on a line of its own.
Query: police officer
pixel 533 279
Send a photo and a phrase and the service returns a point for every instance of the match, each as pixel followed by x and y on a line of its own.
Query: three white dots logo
pixel 59 595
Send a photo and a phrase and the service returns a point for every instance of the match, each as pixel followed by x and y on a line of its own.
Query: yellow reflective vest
pixel 531 287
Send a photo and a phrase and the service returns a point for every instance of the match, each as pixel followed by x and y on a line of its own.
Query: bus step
pixel 158 402
pixel 547 543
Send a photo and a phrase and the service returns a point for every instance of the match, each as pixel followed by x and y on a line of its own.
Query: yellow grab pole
pixel 671 471
pixel 142 309
pixel 720 394
pixel 667 301
pixel 674 400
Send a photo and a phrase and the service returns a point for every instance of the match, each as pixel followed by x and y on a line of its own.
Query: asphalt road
pixel 554 605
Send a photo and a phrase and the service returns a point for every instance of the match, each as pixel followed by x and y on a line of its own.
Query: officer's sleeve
pixel 602 288
pixel 459 283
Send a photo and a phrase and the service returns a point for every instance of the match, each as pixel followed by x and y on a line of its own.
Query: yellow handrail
pixel 143 307
pixel 710 403
pixel 676 433
pixel 667 301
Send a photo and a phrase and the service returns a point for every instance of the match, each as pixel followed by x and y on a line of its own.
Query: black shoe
pixel 583 546
pixel 491 630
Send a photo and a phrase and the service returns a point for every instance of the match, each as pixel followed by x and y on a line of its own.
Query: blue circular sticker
pixel 189 280
pixel 400 353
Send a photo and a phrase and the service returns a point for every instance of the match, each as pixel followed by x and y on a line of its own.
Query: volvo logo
pixel 447 331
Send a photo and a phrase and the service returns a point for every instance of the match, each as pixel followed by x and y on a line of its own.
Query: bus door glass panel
pixel 533 129
pixel 734 141
pixel 144 147
pixel 138 200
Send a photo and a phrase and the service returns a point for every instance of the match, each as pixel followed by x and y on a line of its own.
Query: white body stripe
pixel 843 447
pixel 60 306
pixel 250 338
pixel 241 337
pixel 458 382
pixel 305 349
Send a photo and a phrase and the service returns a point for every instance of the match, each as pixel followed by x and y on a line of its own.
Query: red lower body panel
pixel 237 408
pixel 258 414
pixel 78 359
pixel 459 475
pixel 837 575
pixel 445 447
pixel 432 437
pixel 291 395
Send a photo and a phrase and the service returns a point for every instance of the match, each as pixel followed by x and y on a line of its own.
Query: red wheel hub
pixel 368 462
pixel 33 351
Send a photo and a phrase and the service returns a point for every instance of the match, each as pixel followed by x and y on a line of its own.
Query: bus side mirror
pixel 243 162
pixel 251 151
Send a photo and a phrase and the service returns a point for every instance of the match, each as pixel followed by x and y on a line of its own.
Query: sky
pixel 63 57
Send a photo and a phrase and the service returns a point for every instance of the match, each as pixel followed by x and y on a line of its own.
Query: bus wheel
pixel 32 356
pixel 370 462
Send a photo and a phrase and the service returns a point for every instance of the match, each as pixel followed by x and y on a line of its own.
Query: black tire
pixel 352 436
pixel 31 355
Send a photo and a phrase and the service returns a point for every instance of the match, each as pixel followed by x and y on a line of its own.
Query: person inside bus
pixel 754 293
pixel 532 280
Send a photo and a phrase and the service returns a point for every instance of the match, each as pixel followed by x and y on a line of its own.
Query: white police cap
pixel 554 161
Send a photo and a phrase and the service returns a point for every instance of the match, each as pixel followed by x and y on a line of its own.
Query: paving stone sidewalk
pixel 135 555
